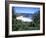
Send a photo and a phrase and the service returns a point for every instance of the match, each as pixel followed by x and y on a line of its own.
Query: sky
pixel 26 9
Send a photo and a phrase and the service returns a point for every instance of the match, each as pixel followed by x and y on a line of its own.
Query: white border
pixel 25 32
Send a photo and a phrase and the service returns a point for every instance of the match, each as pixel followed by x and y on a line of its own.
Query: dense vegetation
pixel 18 25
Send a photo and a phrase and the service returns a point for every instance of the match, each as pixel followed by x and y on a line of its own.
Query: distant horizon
pixel 30 10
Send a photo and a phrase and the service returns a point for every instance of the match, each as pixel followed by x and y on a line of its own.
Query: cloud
pixel 24 19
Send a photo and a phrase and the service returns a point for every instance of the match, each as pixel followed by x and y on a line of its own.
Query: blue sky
pixel 25 10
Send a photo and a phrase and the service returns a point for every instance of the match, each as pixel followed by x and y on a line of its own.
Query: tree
pixel 36 19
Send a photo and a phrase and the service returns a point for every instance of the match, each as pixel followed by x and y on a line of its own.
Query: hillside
pixel 18 25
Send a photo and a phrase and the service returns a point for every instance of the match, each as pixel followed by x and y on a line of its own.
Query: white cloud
pixel 24 19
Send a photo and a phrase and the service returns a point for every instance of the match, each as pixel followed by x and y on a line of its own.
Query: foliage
pixel 18 25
